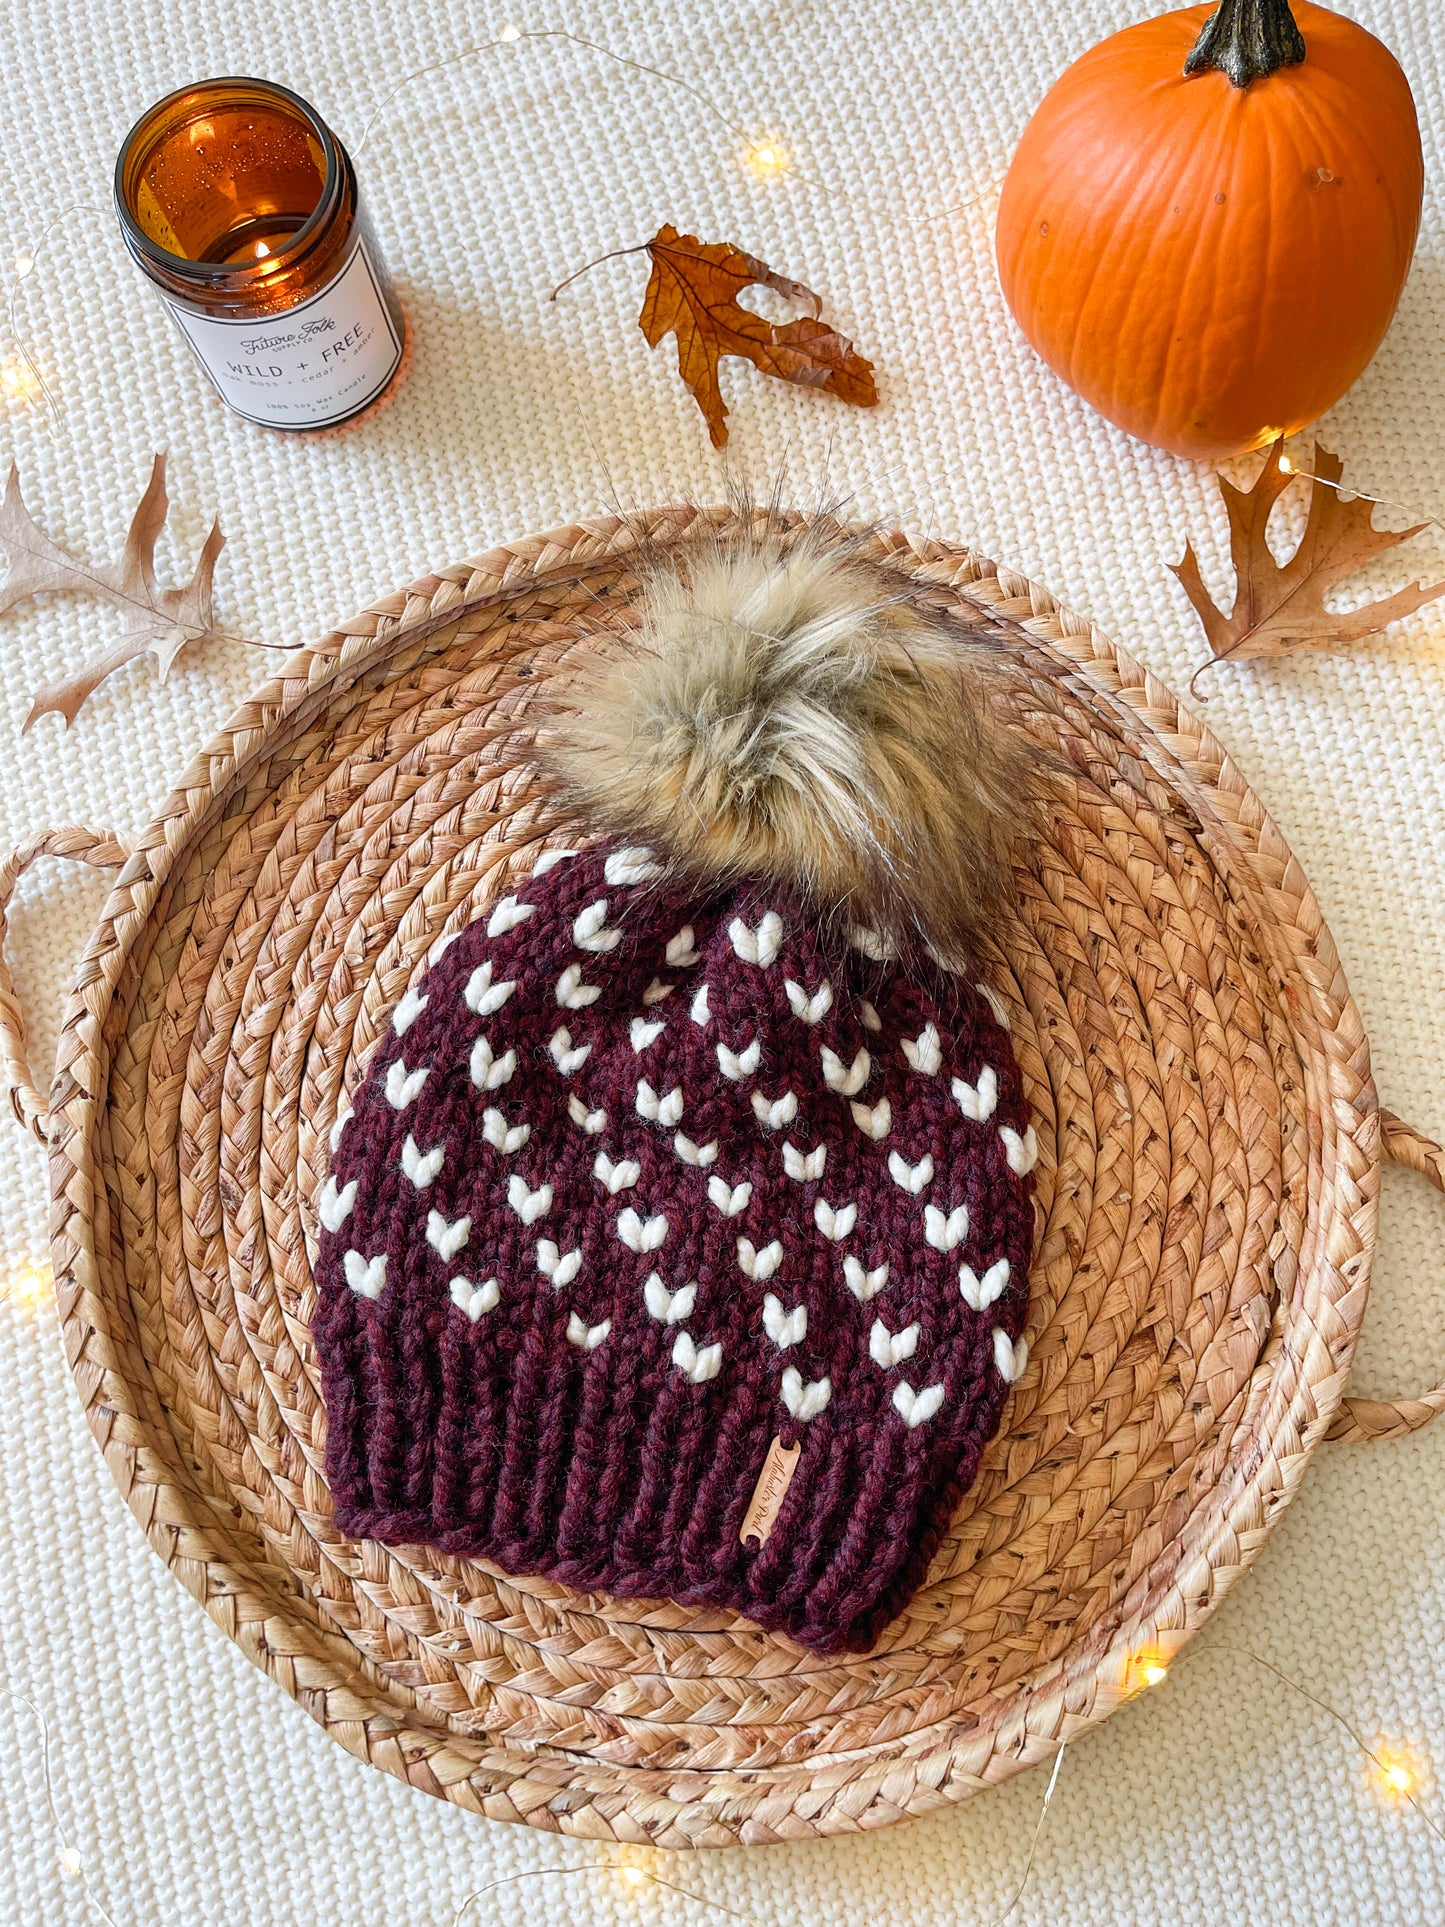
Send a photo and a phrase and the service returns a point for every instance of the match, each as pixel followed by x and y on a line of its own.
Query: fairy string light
pixel 628 1871
pixel 29 1288
pixel 1287 466
pixel 1397 1776
pixel 766 159
pixel 637 1875
pixel 72 1866
pixel 765 156
pixel 632 1872
pixel 24 267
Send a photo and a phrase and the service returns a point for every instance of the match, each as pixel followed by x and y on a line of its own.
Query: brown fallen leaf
pixel 693 294
pixel 1281 608
pixel 159 622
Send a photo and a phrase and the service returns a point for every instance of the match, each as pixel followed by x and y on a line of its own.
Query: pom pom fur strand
pixel 782 713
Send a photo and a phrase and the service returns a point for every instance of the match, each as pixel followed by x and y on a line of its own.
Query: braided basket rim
pixel 829 1792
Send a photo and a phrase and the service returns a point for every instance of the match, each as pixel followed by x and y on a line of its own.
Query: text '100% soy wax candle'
pixel 240 205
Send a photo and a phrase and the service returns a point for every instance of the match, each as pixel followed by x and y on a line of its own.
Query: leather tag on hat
pixel 769 1492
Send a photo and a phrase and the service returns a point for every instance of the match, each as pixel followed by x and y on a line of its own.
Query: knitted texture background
pixel 637 1185
pixel 196 1791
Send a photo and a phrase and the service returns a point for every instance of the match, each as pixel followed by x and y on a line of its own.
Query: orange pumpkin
pixel 1212 258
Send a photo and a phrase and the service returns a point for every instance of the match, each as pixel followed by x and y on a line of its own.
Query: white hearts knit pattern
pixel 843 1068
pixel 445 1237
pixel 421 1166
pixel 667 1186
pixel 333 1207
pixel 482 995
pixel 670 1306
pixel 366 1276
pixel 616 1177
pixel 403 1086
pixel 407 1011
pixel 489 1072
pixel 698 1363
pixel 473 1300
pixel 502 1136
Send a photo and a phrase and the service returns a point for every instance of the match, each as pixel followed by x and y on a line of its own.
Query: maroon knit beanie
pixel 677 1245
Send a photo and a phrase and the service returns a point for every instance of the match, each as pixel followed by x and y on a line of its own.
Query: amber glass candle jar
pixel 240 205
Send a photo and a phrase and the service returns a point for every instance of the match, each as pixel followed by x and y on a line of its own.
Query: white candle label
pixel 310 366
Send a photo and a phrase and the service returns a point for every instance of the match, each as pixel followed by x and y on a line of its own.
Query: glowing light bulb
pixel 18 380
pixel 1286 466
pixel 1398 1775
pixel 1145 1669
pixel 767 159
pixel 31 1285
pixel 510 33
pixel 634 1876
pixel 70 1862
pixel 23 264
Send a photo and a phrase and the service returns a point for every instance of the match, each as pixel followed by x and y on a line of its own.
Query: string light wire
pixel 615 1868
pixel 1389 1770
pixel 71 1864
pixel 1018 1892
pixel 1150 1668
pixel 1288 467
pixel 512 36
pixel 765 156
pixel 25 266
pixel 637 1875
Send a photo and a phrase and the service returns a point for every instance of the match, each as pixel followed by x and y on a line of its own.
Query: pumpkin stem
pixel 1247 39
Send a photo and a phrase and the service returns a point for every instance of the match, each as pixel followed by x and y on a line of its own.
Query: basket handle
pixel 104 850
pixel 1364 1419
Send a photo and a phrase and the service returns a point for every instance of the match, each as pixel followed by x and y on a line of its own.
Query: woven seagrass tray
pixel 1210 1140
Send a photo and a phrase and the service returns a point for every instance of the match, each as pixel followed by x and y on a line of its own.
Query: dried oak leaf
pixel 159 622
pixel 693 294
pixel 1281 608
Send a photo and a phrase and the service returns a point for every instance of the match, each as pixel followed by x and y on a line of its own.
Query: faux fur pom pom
pixel 781 713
